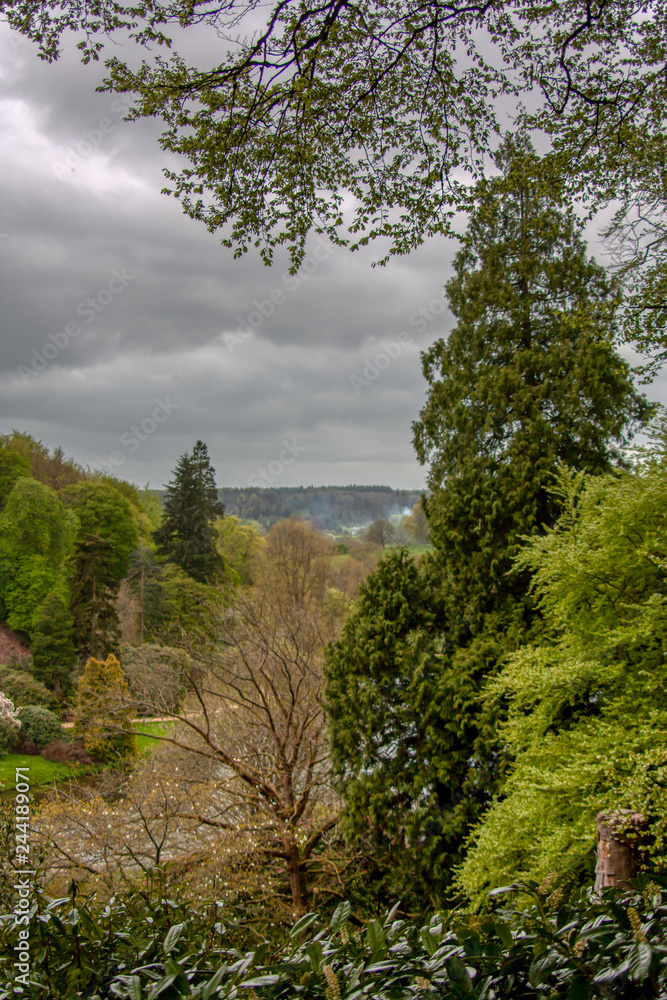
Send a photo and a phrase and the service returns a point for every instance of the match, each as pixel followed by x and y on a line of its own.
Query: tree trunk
pixel 619 848
pixel 297 879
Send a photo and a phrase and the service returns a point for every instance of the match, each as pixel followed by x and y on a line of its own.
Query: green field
pixel 42 772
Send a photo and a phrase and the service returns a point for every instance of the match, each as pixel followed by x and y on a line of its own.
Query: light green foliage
pixel 587 719
pixel 24 689
pixel 103 510
pixel 102 711
pixel 35 523
pixel 36 540
pixel 39 725
pixel 12 467
pixel 191 609
pixel 241 545
pixel 33 579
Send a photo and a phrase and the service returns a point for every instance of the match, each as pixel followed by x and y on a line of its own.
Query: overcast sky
pixel 128 332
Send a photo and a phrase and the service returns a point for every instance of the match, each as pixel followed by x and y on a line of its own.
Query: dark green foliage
pixel 145 578
pixel 39 725
pixel 52 645
pixel 528 378
pixel 539 946
pixel 187 536
pixel 402 700
pixel 93 591
pixel 24 689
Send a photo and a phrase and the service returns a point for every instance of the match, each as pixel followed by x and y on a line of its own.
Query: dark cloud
pixel 128 332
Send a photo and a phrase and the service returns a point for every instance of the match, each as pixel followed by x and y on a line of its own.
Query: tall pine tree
pixel 528 379
pixel 187 535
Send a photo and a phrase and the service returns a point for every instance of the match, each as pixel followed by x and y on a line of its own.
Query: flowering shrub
pixel 10 724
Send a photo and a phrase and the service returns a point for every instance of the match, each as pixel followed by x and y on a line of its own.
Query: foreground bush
pixel 24 689
pixel 39 725
pixel 587 947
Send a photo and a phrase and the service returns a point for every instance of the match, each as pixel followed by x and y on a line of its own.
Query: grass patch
pixel 146 743
pixel 41 771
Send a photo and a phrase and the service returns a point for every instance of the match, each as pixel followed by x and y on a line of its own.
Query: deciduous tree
pixel 587 717
pixel 392 105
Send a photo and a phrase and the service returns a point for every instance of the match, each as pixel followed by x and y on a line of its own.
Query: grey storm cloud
pixel 128 332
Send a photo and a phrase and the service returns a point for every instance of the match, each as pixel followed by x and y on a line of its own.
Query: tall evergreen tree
pixel 52 645
pixel 528 379
pixel 187 535
pixel 94 590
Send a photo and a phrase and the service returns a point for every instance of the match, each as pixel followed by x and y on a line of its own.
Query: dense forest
pixel 338 506
pixel 430 760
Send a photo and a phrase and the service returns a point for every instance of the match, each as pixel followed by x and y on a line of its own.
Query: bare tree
pixel 255 712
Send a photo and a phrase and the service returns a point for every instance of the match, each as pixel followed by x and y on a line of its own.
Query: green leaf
pixel 376 938
pixel 640 961
pixel 301 925
pixel 340 916
pixel 172 937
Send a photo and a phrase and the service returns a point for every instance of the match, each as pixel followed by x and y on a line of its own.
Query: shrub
pixel 539 945
pixel 101 712
pixel 24 689
pixel 10 725
pixel 39 725
pixel 62 752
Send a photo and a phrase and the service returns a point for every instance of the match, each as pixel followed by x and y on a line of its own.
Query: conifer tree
pixel 102 717
pixel 528 379
pixel 94 589
pixel 187 535
pixel 52 645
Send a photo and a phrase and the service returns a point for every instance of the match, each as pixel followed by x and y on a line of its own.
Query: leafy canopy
pixel 587 720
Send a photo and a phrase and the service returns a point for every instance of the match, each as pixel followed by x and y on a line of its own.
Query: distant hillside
pixel 338 506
